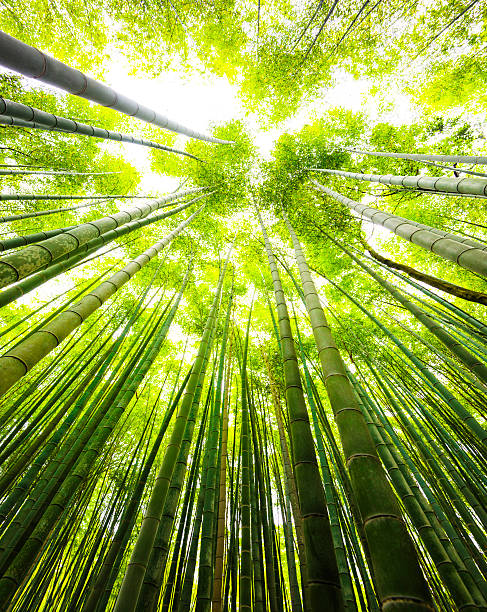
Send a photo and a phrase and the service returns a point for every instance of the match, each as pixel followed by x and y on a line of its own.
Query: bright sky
pixel 199 101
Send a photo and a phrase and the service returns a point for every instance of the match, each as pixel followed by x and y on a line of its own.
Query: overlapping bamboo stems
pixel 85 426
pixel 289 480
pixel 469 456
pixel 222 497
pixel 33 63
pixel 454 373
pixel 374 497
pixel 134 575
pixel 266 514
pixel 258 581
pixel 25 557
pixel 172 583
pixel 449 311
pixel 450 576
pixel 91 562
pixel 230 583
pixel 208 535
pixel 98 596
pixel 432 453
pixel 154 573
pixel 24 455
pixel 63 456
pixel 458 349
pixel 293 583
pixel 455 159
pixel 323 585
pixel 349 515
pixel 15 363
pixel 188 581
pixel 264 441
pixel 456 548
pixel 331 498
pixel 21 115
pixel 451 401
pixel 467 253
pixel 68 261
pixel 24 262
pixel 432 447
pixel 455 318
pixel 246 561
pixel 15 468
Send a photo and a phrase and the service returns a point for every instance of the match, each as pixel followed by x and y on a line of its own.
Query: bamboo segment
pixel 16 363
pixel 323 586
pixel 17 114
pixel 26 261
pixel 31 62
pixel 441 184
pixel 454 159
pixel 467 253
pixel 134 575
pixel 380 513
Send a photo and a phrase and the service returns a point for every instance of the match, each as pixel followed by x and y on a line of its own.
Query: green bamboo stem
pixel 22 263
pixel 375 499
pixel 33 63
pixel 441 184
pixel 16 363
pixel 467 253
pixel 455 159
pixel 18 114
pixel 323 585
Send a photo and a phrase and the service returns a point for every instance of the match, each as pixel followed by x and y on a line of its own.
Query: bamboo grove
pixel 219 404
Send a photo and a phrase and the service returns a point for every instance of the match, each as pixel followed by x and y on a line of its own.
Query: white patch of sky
pixel 200 100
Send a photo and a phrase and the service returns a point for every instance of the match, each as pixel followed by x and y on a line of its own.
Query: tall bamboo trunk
pixel 467 253
pixel 323 585
pixel 33 63
pixel 396 566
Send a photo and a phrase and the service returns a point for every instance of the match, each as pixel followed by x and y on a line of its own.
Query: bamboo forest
pixel 243 334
